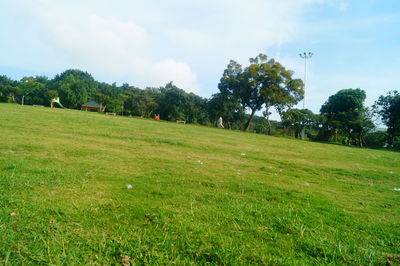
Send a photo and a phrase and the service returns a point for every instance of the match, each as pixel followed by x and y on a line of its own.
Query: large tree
pixel 388 107
pixel 297 120
pixel 345 113
pixel 33 88
pixel 172 103
pixel 75 87
pixel 263 83
pixel 228 108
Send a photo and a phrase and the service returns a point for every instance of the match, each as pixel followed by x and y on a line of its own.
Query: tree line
pixel 243 92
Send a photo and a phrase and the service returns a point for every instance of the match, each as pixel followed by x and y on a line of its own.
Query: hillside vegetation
pixel 199 195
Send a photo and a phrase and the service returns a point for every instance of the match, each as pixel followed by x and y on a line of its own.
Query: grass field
pixel 199 195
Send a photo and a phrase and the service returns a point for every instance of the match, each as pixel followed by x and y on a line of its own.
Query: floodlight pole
pixel 305 56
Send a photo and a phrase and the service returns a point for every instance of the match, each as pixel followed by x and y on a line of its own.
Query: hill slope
pixel 198 194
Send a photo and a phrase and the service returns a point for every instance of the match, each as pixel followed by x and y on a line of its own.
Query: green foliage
pixel 8 90
pixel 263 83
pixel 345 114
pixel 376 139
pixel 176 104
pixel 32 90
pixel 297 119
pixel 51 94
pixel 103 99
pixel 226 106
pixel 142 103
pixel 75 87
pixel 262 125
pixel 388 108
pixel 172 102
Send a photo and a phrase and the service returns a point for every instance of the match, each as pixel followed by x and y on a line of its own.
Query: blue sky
pixel 149 43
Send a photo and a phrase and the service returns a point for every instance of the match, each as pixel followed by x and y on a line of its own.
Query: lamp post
pixel 305 56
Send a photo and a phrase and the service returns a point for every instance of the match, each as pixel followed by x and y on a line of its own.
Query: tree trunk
pixel 269 125
pixel 361 139
pixel 351 137
pixel 247 125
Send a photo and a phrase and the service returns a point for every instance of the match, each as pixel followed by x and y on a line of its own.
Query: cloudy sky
pixel 356 43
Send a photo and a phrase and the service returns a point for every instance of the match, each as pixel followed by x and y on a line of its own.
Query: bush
pixel 376 139
pixel 396 142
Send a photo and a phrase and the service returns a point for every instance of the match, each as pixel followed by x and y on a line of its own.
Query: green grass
pixel 63 200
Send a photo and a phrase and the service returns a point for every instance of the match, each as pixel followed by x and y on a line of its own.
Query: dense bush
pixel 376 139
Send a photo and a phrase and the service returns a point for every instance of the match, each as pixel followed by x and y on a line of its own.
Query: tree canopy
pixel 297 119
pixel 388 108
pixel 75 87
pixel 345 112
pixel 264 83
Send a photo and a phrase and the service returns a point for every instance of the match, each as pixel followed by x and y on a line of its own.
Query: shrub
pixel 376 139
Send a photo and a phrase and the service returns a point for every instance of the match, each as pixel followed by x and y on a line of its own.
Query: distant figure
pixel 219 123
pixel 157 117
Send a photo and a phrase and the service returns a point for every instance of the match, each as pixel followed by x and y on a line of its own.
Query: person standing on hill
pixel 219 123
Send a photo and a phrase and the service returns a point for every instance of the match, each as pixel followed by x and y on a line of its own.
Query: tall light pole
pixel 305 56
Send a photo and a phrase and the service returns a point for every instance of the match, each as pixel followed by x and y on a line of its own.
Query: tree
pixel 172 103
pixel 50 94
pixel 115 106
pixel 103 99
pixel 297 119
pixel 75 87
pixel 31 86
pixel 142 103
pixel 263 83
pixel 196 109
pixel 345 113
pixel 227 107
pixel 388 108
pixel 8 89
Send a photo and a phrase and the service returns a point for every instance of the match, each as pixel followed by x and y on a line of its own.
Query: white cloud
pixel 152 42
pixel 168 70
pixel 99 43
pixel 111 47
pixel 194 40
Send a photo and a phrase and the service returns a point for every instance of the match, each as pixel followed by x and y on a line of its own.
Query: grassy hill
pixel 199 195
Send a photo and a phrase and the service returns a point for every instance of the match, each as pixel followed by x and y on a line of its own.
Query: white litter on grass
pixel 243 154
pixel 200 162
pixel 396 189
pixel 129 186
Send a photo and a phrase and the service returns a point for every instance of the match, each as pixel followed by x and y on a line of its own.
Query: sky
pixel 150 43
